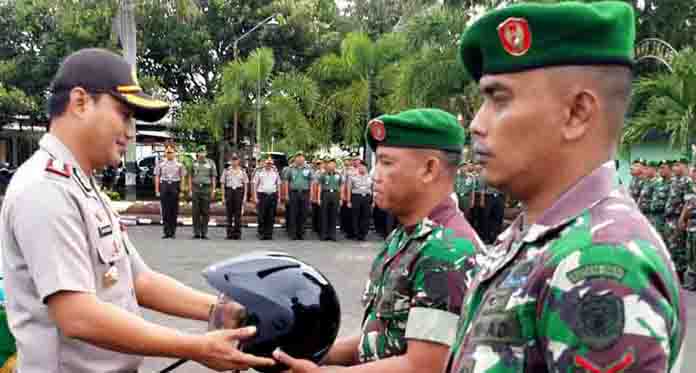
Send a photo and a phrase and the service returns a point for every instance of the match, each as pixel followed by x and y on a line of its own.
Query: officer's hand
pixel 157 194
pixel 349 204
pixel 295 365
pixel 212 195
pixel 219 351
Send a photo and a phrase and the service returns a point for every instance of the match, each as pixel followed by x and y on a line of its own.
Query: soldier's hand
pixel 295 365
pixel 157 194
pixel 219 351
pixel 212 195
pixel 349 204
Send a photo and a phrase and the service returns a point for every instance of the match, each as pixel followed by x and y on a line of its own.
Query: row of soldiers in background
pixel 330 192
pixel 482 205
pixel 336 196
pixel 664 192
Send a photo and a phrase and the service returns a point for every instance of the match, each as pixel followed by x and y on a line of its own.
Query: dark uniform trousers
pixel 169 201
pixel 361 214
pixel 266 205
pixel 346 221
pixel 299 203
pixel 201 209
pixel 316 218
pixel 233 210
pixel 329 212
pixel 492 217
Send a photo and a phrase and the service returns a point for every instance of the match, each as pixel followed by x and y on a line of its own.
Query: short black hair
pixel 58 103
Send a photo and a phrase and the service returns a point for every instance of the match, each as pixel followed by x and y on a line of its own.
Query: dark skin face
pixel 170 156
pixel 398 178
pixel 299 160
pixel 331 167
pixel 636 169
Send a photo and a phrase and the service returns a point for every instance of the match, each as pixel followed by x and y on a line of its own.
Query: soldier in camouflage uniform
pixel 413 295
pixel 658 203
pixel 463 186
pixel 637 179
pixel 580 282
pixel 687 222
pixel 647 190
pixel 675 237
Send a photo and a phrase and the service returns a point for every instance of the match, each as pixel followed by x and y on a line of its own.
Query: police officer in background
pixel 168 176
pixel 234 189
pixel 329 194
pixel 359 189
pixel 78 282
pixel 202 189
pixel 267 185
pixel 346 220
pixel 297 182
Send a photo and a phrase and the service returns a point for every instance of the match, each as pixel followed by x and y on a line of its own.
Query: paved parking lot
pixel 345 263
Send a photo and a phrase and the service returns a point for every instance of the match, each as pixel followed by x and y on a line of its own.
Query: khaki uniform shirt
pixel 170 170
pixel 267 181
pixel 360 184
pixel 233 178
pixel 59 233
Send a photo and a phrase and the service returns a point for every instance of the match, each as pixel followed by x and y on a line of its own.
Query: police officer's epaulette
pixel 59 167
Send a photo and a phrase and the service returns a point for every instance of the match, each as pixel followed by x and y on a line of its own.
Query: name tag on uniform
pixel 305 172
pixel 105 230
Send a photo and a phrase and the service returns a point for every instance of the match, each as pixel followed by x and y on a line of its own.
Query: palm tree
pixel 666 103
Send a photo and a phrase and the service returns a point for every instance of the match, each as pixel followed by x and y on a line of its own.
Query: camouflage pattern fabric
pixel 416 286
pixel 588 288
pixel 635 187
pixel 675 238
pixel 646 196
pixel 463 186
pixel 690 240
pixel 658 205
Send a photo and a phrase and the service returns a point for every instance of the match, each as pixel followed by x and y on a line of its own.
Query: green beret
pixel 201 149
pixel 299 152
pixel 683 160
pixel 653 164
pixel 531 35
pixel 639 161
pixel 417 128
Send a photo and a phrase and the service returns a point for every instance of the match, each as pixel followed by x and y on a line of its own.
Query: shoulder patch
pixel 59 168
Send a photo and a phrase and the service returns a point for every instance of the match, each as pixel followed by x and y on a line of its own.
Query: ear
pixel 584 110
pixel 431 170
pixel 79 102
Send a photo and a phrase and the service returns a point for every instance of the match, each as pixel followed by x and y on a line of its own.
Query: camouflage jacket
pixel 646 195
pixel 588 288
pixel 463 186
pixel 417 284
pixel 660 195
pixel 635 187
pixel 680 186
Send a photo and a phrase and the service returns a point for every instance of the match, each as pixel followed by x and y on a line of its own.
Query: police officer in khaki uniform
pixel 267 197
pixel 234 186
pixel 168 176
pixel 77 280
pixel 359 188
pixel 202 190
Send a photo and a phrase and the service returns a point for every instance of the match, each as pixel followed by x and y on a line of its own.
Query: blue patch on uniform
pixel 519 275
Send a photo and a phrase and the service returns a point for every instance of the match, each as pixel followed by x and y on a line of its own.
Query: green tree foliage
pixel 668 103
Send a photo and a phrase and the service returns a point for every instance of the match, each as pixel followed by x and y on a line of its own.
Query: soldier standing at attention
pixel 297 182
pixel 417 282
pixel 687 221
pixel 267 185
pixel 675 238
pixel 647 190
pixel 233 183
pixel 168 176
pixel 314 195
pixel 659 200
pixel 329 194
pixel 360 191
pixel 284 194
pixel 78 282
pixel 345 215
pixel 637 179
pixel 202 189
pixel 580 282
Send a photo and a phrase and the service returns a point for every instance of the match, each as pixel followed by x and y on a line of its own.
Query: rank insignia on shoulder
pixel 620 366
pixel 59 168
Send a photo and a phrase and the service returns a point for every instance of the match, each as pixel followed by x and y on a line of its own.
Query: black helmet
pixel 292 305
